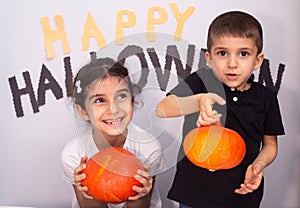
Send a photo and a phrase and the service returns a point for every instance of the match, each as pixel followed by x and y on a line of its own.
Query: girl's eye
pixel 222 53
pixel 244 53
pixel 121 96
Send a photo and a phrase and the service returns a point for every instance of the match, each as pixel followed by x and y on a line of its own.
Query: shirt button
pixel 235 99
pixel 232 89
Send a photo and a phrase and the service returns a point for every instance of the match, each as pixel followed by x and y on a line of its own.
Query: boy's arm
pixel 266 156
pixel 268 152
pixel 173 106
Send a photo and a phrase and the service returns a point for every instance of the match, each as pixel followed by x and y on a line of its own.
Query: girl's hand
pixel 252 179
pixel 144 177
pixel 207 115
pixel 79 176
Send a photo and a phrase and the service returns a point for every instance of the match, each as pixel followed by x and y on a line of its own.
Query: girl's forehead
pixel 108 83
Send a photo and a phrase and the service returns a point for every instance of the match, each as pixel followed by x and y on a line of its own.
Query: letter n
pixel 265 76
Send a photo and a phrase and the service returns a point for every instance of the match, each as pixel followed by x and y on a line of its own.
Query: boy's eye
pixel 222 53
pixel 244 53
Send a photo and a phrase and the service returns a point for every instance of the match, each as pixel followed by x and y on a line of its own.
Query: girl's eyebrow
pixel 100 95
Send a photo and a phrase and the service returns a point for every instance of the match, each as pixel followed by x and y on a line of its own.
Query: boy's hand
pixel 79 176
pixel 207 115
pixel 146 180
pixel 252 179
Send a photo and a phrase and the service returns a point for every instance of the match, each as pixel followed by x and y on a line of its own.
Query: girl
pixel 104 98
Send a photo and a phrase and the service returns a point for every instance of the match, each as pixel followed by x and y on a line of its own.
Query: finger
pixel 202 122
pixel 144 174
pixel 136 197
pixel 217 99
pixel 87 195
pixel 243 190
pixel 205 119
pixel 146 181
pixel 246 188
pixel 240 191
pixel 79 177
pixel 257 169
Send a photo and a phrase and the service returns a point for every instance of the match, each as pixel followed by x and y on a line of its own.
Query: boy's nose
pixel 232 62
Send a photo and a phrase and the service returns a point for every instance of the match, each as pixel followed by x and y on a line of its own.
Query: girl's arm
pixel 143 197
pixel 266 156
pixel 84 200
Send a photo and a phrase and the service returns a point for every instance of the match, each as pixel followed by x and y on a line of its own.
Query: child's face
pixel 233 60
pixel 108 106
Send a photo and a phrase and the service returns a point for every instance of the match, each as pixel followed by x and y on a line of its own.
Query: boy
pixel 234 51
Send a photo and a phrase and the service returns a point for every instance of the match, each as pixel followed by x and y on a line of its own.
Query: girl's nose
pixel 112 108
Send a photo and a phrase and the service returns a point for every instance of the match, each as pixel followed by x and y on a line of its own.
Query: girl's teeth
pixel 114 122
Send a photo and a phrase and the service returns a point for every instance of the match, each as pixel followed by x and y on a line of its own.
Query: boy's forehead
pixel 233 42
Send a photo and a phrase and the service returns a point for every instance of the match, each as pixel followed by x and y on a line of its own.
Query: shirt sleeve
pixel 273 123
pixel 69 162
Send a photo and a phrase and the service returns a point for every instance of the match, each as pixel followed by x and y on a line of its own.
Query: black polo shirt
pixel 252 113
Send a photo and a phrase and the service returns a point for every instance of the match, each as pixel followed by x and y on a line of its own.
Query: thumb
pixel 257 169
pixel 217 99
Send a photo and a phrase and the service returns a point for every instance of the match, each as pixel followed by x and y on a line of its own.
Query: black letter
pixel 265 75
pixel 172 54
pixel 162 78
pixel 69 77
pixel 132 50
pixel 52 84
pixel 16 92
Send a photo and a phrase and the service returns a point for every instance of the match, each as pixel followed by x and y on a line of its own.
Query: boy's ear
pixel 208 59
pixel 259 59
pixel 82 112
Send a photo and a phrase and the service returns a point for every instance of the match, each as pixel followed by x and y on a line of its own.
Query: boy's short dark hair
pixel 236 24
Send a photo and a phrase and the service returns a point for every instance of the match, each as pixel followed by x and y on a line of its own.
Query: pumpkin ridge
pixel 103 167
pixel 211 142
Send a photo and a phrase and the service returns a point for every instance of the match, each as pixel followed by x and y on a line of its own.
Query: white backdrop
pixel 31 143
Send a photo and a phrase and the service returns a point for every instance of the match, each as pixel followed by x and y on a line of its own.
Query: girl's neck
pixel 103 141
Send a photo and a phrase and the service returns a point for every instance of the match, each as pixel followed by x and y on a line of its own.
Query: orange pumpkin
pixel 214 147
pixel 110 175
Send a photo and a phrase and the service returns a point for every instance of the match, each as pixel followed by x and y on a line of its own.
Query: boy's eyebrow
pixel 243 48
pixel 100 95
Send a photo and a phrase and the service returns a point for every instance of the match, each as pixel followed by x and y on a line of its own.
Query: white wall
pixel 30 145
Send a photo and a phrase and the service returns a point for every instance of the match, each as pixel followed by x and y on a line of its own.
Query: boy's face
pixel 109 106
pixel 233 59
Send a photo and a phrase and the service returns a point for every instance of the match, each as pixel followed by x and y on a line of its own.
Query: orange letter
pixel 52 35
pixel 180 18
pixel 91 30
pixel 163 16
pixel 120 24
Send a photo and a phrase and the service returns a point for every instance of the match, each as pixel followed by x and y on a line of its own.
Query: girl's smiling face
pixel 108 106
pixel 233 59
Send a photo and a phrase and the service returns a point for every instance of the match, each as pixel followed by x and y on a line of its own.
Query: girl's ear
pixel 208 59
pixel 83 113
pixel 259 60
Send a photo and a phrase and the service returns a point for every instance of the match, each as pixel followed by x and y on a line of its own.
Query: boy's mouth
pixel 232 76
